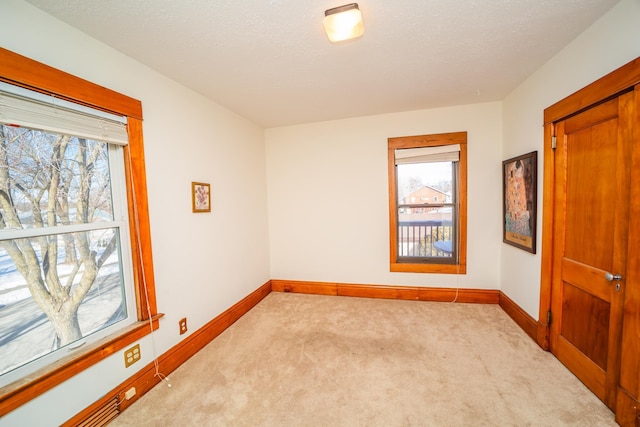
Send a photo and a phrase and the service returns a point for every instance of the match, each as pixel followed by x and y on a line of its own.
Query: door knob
pixel 612 277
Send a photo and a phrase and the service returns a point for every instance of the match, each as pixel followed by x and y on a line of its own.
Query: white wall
pixel 608 44
pixel 204 263
pixel 328 197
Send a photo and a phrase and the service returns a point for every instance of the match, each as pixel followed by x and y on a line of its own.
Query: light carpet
pixel 311 360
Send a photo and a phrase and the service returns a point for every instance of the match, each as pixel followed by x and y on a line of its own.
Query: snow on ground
pixel 26 333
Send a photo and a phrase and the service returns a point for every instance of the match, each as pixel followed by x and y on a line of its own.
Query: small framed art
pixel 201 197
pixel 519 197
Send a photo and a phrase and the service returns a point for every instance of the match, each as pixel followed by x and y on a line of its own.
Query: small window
pixel 430 235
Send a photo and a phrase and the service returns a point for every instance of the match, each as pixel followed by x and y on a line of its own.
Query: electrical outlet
pixel 130 393
pixel 131 355
pixel 183 325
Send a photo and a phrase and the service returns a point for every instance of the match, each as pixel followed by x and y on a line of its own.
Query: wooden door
pixel 590 236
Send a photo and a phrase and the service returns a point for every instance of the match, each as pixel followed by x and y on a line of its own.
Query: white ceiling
pixel 269 60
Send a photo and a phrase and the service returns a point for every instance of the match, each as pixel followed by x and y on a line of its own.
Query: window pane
pixel 56 290
pixel 418 237
pixel 49 179
pixel 425 182
pixel 424 230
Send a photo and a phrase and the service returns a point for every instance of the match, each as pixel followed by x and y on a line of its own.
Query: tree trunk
pixel 67 327
pixel 53 177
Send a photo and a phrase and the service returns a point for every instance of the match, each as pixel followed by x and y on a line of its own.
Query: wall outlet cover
pixel 131 355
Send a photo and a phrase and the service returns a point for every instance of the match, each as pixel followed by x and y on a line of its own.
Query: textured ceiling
pixel 269 60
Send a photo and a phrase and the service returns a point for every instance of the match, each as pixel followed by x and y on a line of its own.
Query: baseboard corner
pixel 528 324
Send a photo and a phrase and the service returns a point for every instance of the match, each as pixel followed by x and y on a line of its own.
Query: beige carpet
pixel 310 360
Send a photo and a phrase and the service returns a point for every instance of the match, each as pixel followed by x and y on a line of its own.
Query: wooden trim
pixel 389 292
pixel 627 409
pixel 393 201
pixel 625 107
pixel 428 141
pixel 613 83
pixel 402 267
pixel 22 71
pixel 630 344
pixel 296 286
pixel 140 230
pixel 19 70
pixel 481 296
pixel 521 317
pixel 432 140
pixel 462 207
pixel 547 237
pixel 145 379
pixel 20 392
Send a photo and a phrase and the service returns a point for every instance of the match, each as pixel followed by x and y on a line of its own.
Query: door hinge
pixel 553 142
pixel 549 317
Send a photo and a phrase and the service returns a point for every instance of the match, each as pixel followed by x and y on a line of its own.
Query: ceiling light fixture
pixel 343 22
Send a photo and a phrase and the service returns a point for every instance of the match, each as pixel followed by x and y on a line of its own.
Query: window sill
pixel 20 392
pixel 428 268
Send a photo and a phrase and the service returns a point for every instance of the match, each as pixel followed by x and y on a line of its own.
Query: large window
pixel 63 230
pixel 76 272
pixel 427 203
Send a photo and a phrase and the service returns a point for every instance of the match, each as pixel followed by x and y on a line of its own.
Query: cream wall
pixel 326 183
pixel 201 260
pixel 328 197
pixel 608 44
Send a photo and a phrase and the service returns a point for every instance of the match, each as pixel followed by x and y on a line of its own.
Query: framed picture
pixel 519 197
pixel 201 197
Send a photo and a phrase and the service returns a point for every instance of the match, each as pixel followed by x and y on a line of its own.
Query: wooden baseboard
pixel 145 379
pixel 528 324
pixel 317 288
pixel 480 296
pixel 543 336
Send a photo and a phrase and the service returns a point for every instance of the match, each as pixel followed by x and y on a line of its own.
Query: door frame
pixel 625 78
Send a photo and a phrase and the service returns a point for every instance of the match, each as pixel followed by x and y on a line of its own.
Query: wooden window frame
pixel 428 141
pixel 21 71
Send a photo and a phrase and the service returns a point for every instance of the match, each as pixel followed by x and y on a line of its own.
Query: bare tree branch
pixel 42 178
